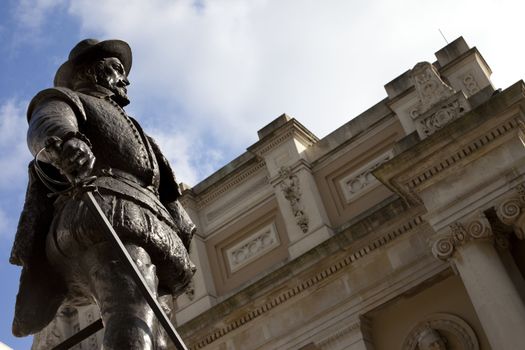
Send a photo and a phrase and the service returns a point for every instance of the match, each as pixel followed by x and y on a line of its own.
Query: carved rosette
pixel 441 117
pixel 445 245
pixel 512 212
pixel 292 192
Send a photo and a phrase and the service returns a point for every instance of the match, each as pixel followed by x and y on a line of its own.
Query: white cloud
pixel 225 68
pixel 190 159
pixel 32 13
pixel 14 154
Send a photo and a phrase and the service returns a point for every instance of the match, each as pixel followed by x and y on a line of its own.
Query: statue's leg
pixel 129 322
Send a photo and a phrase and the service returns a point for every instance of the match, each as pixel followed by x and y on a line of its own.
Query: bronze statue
pixel 80 131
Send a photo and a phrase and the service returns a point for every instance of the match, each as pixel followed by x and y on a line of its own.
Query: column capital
pixel 511 211
pixel 477 228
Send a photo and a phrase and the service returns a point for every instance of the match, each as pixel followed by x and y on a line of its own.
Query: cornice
pixel 292 129
pixel 472 52
pixel 290 291
pixel 235 180
pixel 415 168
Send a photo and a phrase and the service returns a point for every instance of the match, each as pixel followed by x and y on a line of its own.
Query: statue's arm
pixel 55 118
pixel 50 118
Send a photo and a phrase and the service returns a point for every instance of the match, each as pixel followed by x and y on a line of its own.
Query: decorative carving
pixel 414 112
pixel 430 339
pixel 252 247
pixel 470 84
pixel 309 283
pixel 479 228
pixel 439 104
pixel 437 331
pixel 443 248
pixel 511 212
pixel 443 116
pixel 292 192
pixel 444 245
pixel 359 181
pixel 430 88
pixel 521 192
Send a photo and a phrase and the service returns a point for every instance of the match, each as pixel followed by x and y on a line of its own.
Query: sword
pixel 130 265
pixel 116 242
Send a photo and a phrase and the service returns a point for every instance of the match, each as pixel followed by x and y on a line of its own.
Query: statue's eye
pixel 118 68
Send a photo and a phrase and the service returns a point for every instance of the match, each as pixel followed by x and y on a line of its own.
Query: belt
pixel 125 176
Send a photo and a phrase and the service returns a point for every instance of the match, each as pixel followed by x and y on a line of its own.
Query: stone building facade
pixel 402 229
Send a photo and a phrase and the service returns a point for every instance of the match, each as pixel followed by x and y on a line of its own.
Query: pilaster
pixel 282 146
pixel 200 294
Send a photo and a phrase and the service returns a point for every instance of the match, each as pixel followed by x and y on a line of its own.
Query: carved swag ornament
pixel 292 192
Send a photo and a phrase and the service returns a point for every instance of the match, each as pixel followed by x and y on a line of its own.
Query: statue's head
pixel 105 63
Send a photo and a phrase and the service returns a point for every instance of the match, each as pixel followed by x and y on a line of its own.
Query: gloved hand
pixel 73 158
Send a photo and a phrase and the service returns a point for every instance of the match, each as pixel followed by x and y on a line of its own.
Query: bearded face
pixel 110 73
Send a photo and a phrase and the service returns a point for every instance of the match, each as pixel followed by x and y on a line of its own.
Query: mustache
pixel 122 85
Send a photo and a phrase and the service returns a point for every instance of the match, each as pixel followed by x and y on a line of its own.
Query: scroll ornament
pixel 445 245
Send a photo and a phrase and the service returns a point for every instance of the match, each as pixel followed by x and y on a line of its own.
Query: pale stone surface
pixel 494 296
pixel 204 294
pixel 69 320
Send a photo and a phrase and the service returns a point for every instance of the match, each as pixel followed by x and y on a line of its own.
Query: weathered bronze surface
pixel 79 129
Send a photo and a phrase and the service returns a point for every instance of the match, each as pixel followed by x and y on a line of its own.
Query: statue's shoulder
pixel 58 93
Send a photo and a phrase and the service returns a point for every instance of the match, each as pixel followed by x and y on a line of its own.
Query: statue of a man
pixel 80 129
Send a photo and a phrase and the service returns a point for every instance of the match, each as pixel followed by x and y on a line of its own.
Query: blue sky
pixel 208 74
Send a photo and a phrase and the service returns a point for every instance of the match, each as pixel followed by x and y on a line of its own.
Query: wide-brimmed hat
pixel 89 50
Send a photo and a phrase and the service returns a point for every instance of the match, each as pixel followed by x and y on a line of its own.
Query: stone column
pixel 469 247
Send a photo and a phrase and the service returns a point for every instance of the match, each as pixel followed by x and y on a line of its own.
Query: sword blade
pixel 126 259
